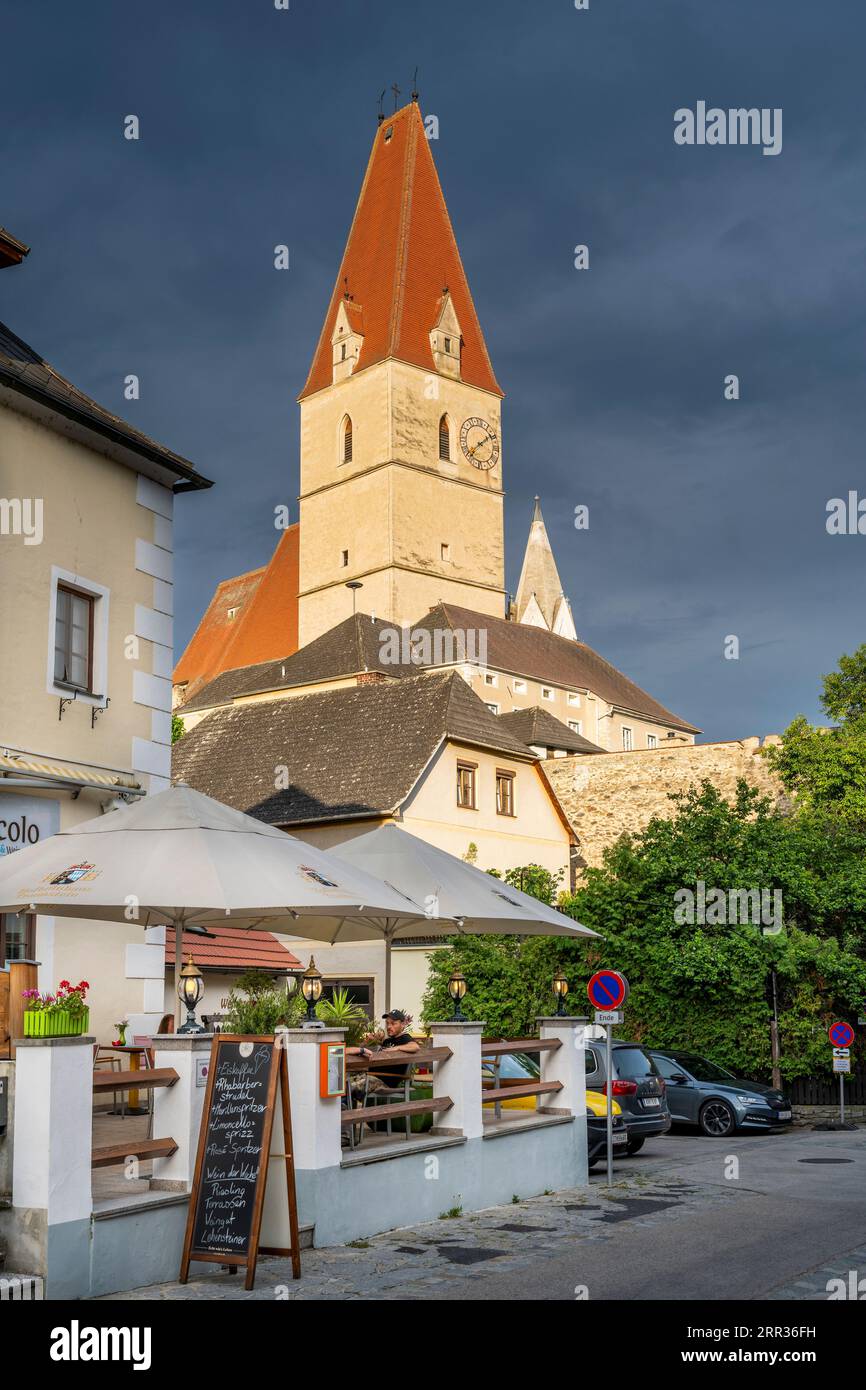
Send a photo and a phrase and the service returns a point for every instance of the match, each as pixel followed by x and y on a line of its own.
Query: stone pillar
pixel 49 1229
pixel 565 1064
pixel 459 1077
pixel 316 1126
pixel 177 1109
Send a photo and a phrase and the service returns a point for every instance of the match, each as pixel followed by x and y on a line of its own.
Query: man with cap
pixel 399 1043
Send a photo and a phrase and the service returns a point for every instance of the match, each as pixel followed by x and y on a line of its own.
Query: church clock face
pixel 479 443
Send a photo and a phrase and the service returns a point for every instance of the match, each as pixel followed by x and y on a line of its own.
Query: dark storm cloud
pixel 556 128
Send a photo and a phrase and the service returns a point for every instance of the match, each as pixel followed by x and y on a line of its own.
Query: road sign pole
pixel 609 1088
pixel 842 1098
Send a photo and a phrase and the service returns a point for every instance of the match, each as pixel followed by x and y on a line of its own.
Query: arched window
pixel 347 439
pixel 445 438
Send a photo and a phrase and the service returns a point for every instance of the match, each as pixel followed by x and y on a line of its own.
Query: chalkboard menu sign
pixel 234 1151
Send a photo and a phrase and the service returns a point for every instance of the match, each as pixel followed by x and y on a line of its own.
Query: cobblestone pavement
pixel 439 1258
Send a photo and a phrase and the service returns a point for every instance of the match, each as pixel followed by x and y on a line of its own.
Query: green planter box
pixel 38 1023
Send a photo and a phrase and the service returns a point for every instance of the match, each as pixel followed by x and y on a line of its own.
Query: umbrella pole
pixel 389 937
pixel 178 966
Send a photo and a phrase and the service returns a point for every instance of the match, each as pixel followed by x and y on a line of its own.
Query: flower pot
pixel 59 1023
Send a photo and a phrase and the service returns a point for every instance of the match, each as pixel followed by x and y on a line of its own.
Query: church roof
pixel 264 627
pixel 400 257
pixel 536 654
pixel 539 728
pixel 349 754
pixel 12 251
pixel 539 577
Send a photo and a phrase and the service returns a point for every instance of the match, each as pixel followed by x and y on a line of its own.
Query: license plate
pixel 784 1115
pixel 620 1139
pixel 651 1101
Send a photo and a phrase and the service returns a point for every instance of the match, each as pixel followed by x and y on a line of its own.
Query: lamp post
pixel 560 989
pixel 457 990
pixel 311 988
pixel 189 992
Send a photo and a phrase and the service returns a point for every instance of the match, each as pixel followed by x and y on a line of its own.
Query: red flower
pixel 64 984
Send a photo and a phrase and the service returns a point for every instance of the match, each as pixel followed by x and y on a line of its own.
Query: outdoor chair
pixel 396 1096
pixel 105 1057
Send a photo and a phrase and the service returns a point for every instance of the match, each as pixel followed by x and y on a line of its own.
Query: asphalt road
pixel 784 1222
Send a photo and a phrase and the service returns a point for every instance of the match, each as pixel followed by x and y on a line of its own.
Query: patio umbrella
pixel 179 857
pixel 457 897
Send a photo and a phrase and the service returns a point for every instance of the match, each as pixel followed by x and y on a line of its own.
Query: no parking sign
pixel 840 1034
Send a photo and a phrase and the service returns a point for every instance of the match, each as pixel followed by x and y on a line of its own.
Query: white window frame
pixel 627 739
pixel 519 687
pixel 491 678
pixel 494 709
pixel 548 692
pixel 573 698
pixel 101 598
pixel 576 726
pixel 652 741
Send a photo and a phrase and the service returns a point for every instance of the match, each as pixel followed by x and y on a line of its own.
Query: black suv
pixel 637 1088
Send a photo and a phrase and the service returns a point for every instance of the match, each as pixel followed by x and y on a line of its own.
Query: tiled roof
pixel 538 727
pixel 24 372
pixel 543 656
pixel 351 648
pixel 264 628
pixel 12 251
pixel 350 753
pixel 234 949
pixel 400 256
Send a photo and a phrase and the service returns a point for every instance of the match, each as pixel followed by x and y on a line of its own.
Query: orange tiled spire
pixel 400 256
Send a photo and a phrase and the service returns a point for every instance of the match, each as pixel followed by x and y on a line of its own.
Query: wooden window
pixel 347 440
pixel 504 793
pixel 466 785
pixel 627 740
pixel 73 638
pixel 17 936
pixel 445 439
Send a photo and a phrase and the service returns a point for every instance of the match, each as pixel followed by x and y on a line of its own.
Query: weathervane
pixel 415 86
pixel 381 115
pixel 396 90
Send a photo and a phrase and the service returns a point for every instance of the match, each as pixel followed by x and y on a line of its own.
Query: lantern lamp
pixel 190 989
pixel 560 989
pixel 457 990
pixel 311 988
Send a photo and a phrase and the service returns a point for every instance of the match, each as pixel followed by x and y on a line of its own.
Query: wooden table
pixel 135 1052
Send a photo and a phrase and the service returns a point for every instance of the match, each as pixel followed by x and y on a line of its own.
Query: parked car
pixel 596 1128
pixel 637 1087
pixel 515 1069
pixel 702 1093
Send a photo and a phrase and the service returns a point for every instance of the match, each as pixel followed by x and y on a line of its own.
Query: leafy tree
pixel 178 728
pixel 844 693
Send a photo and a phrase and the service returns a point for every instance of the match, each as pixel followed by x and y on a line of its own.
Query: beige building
pixel 86 506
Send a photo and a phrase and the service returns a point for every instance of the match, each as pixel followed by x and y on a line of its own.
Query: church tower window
pixel 445 439
pixel 346 432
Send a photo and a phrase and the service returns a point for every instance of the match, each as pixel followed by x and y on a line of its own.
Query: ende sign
pixel 25 820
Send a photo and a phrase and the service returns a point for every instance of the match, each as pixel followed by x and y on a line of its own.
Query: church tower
pixel 401 446
pixel 540 601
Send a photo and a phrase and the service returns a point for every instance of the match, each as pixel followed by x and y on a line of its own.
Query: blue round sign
pixel 607 989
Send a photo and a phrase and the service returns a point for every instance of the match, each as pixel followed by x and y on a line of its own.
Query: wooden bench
pixel 410 1107
pixel 142 1149
pixel 492 1095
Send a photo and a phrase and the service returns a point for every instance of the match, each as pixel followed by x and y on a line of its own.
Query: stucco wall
pixel 606 794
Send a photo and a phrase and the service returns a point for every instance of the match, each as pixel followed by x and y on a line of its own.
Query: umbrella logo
pixel 74 873
pixel 314 876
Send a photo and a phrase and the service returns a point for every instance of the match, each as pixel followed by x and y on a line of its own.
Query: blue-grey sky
pixel 707 516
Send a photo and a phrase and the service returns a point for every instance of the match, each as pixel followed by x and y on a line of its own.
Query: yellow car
pixel 517 1068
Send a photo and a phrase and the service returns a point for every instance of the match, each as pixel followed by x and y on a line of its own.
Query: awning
pixel 14 763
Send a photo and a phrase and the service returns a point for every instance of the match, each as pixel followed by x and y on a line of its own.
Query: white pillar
pixel 565 1064
pixel 316 1125
pixel 177 1109
pixel 459 1077
pixel 52 1205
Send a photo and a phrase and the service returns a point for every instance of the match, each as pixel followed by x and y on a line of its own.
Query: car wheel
pixel 634 1146
pixel 717 1120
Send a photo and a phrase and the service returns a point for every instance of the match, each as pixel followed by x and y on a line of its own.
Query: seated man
pixel 399 1043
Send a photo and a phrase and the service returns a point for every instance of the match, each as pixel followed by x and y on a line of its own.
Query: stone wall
pixel 608 793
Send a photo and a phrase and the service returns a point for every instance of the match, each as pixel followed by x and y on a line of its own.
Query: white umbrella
pixel 457 897
pixel 180 857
